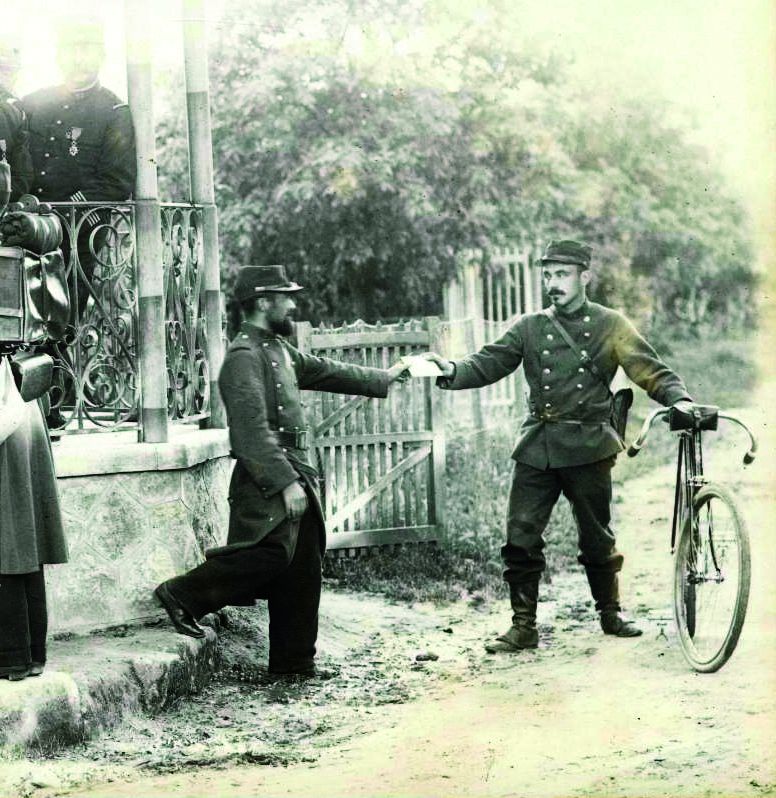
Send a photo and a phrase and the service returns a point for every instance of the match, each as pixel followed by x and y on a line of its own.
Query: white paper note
pixel 419 366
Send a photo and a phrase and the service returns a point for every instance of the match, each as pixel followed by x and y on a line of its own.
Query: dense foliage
pixel 367 145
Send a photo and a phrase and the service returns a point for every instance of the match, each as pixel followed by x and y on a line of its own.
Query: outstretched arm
pixel 493 362
pixel 326 374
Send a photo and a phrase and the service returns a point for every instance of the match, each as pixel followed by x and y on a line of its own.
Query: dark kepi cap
pixel 567 252
pixel 257 280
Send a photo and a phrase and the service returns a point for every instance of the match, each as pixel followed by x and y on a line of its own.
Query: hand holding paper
pixel 428 364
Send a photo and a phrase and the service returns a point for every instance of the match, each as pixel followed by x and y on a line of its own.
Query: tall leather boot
pixel 604 585
pixel 522 634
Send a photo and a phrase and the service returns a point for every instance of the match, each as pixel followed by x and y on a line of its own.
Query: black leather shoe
pixel 296 677
pixel 183 621
pixel 613 623
pixel 14 673
pixel 55 420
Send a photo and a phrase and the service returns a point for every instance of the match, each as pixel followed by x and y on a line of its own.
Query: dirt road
pixel 584 715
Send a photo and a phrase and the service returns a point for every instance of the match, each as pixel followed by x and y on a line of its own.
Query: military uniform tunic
pixel 82 145
pixel 260 382
pixel 569 408
pixel 566 443
pixel 14 143
pixel 266 555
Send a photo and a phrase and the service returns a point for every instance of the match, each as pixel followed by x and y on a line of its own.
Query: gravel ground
pixel 416 708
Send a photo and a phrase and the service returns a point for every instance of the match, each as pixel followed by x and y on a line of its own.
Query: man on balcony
pixel 83 146
pixel 276 528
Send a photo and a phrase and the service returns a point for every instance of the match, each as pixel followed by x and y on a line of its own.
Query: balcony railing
pixel 97 384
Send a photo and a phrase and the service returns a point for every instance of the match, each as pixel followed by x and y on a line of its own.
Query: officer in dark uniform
pixel 83 149
pixel 14 144
pixel 81 135
pixel 276 529
pixel 567 443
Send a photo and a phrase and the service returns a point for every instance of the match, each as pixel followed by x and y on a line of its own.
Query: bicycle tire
pixel 707 558
pixel 688 596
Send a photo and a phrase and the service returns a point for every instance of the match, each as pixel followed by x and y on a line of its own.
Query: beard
pixel 282 326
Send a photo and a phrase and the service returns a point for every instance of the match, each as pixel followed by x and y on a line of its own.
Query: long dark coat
pixel 31 531
pixel 260 382
pixel 568 423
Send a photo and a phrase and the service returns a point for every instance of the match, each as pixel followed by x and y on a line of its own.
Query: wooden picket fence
pixel 481 303
pixel 381 461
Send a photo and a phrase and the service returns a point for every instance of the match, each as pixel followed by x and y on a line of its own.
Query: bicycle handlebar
pixel 635 447
pixel 641 438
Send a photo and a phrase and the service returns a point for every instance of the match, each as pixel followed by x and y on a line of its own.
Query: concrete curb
pixel 92 682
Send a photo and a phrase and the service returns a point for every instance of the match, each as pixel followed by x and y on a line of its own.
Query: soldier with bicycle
pixel 567 443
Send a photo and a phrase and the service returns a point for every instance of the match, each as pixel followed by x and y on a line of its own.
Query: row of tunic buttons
pixel 581 370
pixel 584 353
pixel 48 155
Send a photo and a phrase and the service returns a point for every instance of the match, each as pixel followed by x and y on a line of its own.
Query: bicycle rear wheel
pixel 712 572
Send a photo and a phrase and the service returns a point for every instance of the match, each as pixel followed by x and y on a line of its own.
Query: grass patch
pixel 479 472
pixel 721 373
pixel 468 565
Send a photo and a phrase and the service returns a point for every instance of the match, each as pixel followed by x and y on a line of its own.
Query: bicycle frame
pixel 689 479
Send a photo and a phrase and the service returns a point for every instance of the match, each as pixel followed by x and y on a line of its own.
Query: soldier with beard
pixel 276 533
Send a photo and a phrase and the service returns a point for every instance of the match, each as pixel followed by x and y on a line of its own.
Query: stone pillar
pixel 202 191
pixel 150 278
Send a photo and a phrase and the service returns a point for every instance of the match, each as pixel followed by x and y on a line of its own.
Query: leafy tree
pixel 366 145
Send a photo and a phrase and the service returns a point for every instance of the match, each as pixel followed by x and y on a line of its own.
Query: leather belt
pixel 297 438
pixel 575 421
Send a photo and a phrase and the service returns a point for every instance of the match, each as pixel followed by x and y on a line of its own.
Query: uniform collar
pixel 81 93
pixel 258 333
pixel 582 310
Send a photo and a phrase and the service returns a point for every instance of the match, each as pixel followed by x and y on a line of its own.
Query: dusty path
pixel 584 715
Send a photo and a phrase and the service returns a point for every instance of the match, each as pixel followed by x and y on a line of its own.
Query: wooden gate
pixel 485 299
pixel 381 460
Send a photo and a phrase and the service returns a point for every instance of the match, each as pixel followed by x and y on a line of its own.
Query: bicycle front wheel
pixel 712 571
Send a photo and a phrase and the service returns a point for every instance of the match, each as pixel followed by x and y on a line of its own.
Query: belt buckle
pixel 302 441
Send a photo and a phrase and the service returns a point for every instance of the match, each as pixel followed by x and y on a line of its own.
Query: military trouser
pixel 285 569
pixel 23 619
pixel 533 495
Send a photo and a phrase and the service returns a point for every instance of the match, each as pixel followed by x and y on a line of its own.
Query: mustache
pixel 555 292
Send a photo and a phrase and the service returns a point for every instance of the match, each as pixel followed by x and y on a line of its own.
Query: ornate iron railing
pixel 188 382
pixel 96 378
pixel 97 382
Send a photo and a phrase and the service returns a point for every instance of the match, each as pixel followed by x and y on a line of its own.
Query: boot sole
pixel 637 633
pixel 501 647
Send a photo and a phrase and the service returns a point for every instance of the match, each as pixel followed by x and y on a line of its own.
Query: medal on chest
pixel 72 135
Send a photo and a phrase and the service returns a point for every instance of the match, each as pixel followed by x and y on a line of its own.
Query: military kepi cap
pixel 257 280
pixel 567 252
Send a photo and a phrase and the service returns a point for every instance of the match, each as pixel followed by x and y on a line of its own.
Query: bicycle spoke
pixel 712 581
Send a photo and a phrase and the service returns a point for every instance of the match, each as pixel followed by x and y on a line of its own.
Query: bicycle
pixel 712 563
